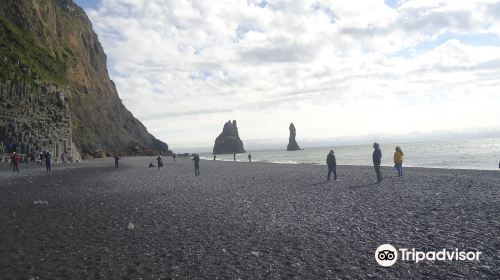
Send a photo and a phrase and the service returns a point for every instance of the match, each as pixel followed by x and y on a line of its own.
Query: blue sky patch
pixel 392 3
pixel 88 4
pixel 475 40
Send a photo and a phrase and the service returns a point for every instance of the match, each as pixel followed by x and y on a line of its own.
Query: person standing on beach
pixel 174 156
pixel 11 150
pixel 215 157
pixel 48 159
pixel 15 161
pixel 332 165
pixel 249 157
pixel 117 158
pixel 398 160
pixel 377 159
pixel 234 157
pixel 160 162
pixel 196 160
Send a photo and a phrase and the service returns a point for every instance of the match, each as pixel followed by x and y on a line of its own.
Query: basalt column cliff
pixel 55 91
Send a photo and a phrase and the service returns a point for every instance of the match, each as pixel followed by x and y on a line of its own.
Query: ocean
pixel 481 154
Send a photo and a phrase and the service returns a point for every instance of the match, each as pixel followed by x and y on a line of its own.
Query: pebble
pixel 40 202
pixel 130 226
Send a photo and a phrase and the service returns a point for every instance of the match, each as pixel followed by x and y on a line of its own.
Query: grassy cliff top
pixel 35 39
pixel 23 58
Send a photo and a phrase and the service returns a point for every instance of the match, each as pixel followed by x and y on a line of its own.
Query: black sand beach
pixel 242 221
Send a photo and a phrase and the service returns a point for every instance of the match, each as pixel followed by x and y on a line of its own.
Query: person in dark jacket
pixel 15 161
pixel 160 162
pixel 117 158
pixel 332 165
pixel 196 160
pixel 48 161
pixel 249 157
pixel 377 159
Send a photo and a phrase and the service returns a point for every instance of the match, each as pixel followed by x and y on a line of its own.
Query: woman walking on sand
pixel 398 160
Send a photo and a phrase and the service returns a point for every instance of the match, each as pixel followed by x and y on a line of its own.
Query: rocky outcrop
pixel 48 49
pixel 292 143
pixel 35 118
pixel 229 142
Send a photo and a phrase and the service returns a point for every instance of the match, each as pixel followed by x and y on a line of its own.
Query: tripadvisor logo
pixel 386 255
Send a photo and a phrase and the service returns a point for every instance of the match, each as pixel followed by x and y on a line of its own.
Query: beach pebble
pixel 130 226
pixel 255 253
pixel 40 202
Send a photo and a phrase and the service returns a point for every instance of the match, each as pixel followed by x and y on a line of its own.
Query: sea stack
pixel 229 142
pixel 292 143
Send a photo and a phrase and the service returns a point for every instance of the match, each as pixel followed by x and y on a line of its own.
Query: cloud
pixel 331 67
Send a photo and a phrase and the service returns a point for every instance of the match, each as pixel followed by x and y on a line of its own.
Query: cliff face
pixel 229 142
pixel 292 143
pixel 49 47
pixel 35 116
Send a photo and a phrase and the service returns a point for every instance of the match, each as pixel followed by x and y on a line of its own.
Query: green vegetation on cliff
pixel 21 54
pixel 52 43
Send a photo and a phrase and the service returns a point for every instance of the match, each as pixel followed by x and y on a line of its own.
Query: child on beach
pixel 398 161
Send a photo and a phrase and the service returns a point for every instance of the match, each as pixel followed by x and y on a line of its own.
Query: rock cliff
pixel 229 142
pixel 292 143
pixel 55 89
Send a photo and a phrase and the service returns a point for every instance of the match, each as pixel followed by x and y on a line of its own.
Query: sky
pixel 337 69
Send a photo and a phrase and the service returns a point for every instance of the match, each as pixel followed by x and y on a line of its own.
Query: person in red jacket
pixel 15 161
